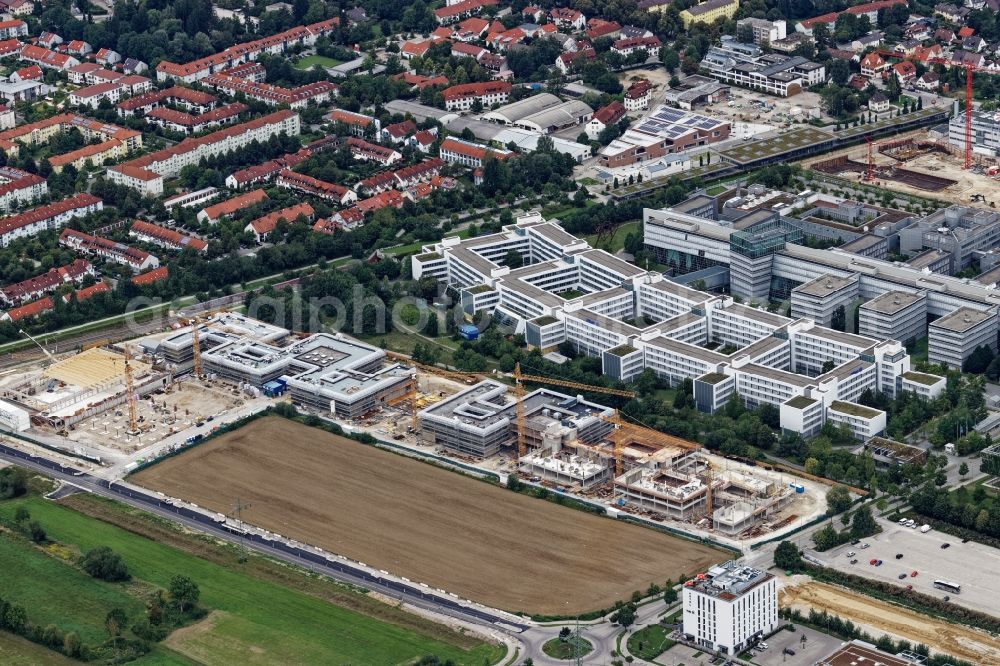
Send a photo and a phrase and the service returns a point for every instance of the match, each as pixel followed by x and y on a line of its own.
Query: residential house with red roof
pixel 300 182
pixel 600 28
pixel 460 10
pixel 109 250
pixel 567 18
pixel 463 97
pixel 170 239
pixel 905 71
pixel 150 277
pixel 262 226
pixel 47 59
pixel 397 132
pixel 218 212
pixel 873 65
pixel 38 286
pixel 467 153
pixel 607 115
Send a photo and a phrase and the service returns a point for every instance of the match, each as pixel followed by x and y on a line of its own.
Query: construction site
pixel 921 163
pixel 130 404
pixel 571 444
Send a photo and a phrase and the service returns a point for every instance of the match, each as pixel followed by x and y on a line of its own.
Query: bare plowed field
pixel 878 617
pixel 479 541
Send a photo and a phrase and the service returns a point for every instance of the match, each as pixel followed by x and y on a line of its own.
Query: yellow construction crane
pixel 195 321
pixel 522 422
pixel 196 346
pixel 624 393
pixel 133 423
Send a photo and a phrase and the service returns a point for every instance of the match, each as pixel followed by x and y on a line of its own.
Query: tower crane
pixel 970 69
pixel 133 423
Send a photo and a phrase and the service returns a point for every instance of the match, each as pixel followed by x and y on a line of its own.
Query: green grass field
pixel 616 242
pixel 311 61
pixel 253 620
pixel 40 582
pixel 17 651
pixel 649 642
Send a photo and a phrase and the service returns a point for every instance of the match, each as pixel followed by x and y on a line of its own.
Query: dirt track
pixel 877 617
pixel 428 524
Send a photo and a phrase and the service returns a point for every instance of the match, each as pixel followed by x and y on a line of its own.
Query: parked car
pixel 945 545
pixel 901 576
pixel 854 561
pixel 913 574
pixel 899 556
pixel 878 563
pixel 872 561
pixel 909 587
pixel 850 553
pixel 789 651
pixel 865 545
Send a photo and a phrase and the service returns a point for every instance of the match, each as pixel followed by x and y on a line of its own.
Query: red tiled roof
pixel 149 277
pixel 230 206
pixel 30 73
pixel 611 113
pixel 857 10
pixel 266 224
pixel 476 89
pixel 40 213
pixel 32 309
pixel 246 49
pixel 46 281
pixel 463 7
pixel 168 236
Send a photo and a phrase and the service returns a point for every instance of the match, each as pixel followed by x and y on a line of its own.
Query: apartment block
pixel 48 217
pixel 147 173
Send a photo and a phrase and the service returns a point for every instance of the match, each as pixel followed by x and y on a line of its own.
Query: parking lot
pixel 815 647
pixel 972 565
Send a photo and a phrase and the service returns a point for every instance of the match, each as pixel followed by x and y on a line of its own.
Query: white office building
pixel 730 607
pixel 564 292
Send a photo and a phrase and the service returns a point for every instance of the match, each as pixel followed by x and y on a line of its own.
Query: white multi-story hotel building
pixel 730 607
pixel 564 292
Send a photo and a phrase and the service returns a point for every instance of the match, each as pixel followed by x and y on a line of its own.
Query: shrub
pixel 104 563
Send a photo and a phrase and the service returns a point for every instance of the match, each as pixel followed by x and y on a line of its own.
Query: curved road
pixel 334 568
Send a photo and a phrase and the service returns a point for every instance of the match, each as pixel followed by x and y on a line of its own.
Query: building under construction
pixel 330 373
pixel 82 386
pixel 482 420
pixel 683 484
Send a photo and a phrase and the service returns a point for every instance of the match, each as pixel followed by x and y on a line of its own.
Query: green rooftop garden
pixel 544 321
pixel 854 409
pixel 712 378
pixel 800 402
pixel 428 256
pixel 621 350
pixel 479 289
pixel 922 378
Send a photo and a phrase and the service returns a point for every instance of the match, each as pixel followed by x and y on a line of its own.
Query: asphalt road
pixel 335 569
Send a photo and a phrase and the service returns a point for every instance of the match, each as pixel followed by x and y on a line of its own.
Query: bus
pixel 954 588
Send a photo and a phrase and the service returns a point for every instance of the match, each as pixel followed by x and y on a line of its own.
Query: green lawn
pixel 40 583
pixel 649 642
pixel 311 61
pixel 253 620
pixel 617 241
pixel 572 647
pixel 17 651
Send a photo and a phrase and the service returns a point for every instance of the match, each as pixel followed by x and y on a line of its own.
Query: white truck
pixel 925 529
